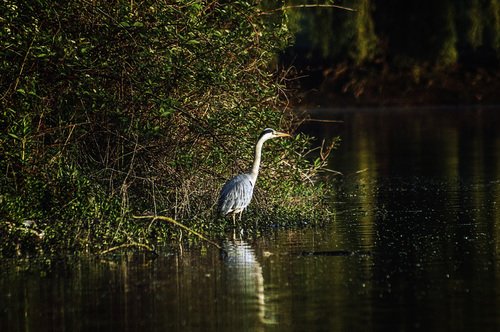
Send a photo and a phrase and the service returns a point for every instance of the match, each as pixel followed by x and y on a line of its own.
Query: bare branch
pixel 308 6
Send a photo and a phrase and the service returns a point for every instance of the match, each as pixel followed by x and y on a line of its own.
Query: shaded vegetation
pixel 399 52
pixel 110 109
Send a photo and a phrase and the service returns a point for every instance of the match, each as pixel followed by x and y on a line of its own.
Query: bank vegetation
pixel 116 109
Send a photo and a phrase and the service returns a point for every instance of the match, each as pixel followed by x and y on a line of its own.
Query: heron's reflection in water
pixel 246 278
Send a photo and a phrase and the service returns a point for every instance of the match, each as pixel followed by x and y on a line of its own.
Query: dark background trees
pixel 440 45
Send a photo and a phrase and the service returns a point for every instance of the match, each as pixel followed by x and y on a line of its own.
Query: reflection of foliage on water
pixel 434 177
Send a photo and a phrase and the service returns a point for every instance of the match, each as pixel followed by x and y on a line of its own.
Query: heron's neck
pixel 256 161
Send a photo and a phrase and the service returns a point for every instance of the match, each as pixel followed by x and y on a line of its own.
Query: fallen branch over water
pixel 176 223
pixel 128 245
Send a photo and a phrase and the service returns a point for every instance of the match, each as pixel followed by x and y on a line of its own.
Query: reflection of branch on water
pixel 361 171
pixel 248 276
pixel 178 224
pixel 336 253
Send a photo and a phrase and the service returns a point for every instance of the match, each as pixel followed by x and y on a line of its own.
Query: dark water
pixel 415 245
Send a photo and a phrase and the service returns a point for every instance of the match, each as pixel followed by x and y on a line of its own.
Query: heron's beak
pixel 280 134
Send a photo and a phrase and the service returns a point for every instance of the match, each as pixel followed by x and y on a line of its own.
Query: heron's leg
pixel 234 219
pixel 241 212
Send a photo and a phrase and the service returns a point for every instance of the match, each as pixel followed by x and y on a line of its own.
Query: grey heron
pixel 237 193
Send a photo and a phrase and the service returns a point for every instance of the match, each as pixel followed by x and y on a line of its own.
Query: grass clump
pixel 115 109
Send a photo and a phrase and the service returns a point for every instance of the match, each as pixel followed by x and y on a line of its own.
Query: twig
pixel 112 19
pixel 332 171
pixel 308 6
pixel 324 120
pixel 176 223
pixel 18 79
pixel 325 152
pixel 320 6
pixel 23 64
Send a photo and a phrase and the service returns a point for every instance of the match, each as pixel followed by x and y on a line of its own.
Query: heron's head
pixel 269 133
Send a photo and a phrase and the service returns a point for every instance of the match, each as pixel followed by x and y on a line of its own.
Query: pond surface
pixel 414 245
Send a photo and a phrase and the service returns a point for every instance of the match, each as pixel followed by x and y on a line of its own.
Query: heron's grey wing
pixel 236 194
